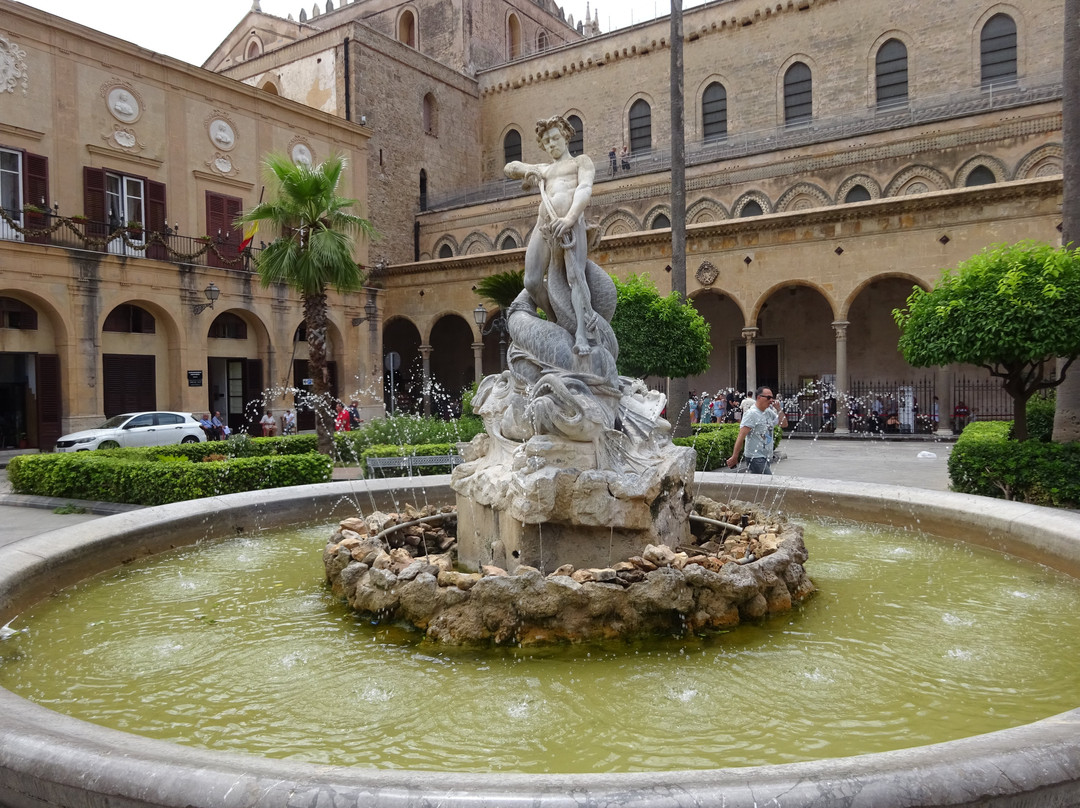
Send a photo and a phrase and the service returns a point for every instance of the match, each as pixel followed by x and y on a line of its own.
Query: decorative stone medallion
pixel 222 164
pixel 124 137
pixel 706 273
pixel 13 70
pixel 124 104
pixel 301 153
pixel 221 130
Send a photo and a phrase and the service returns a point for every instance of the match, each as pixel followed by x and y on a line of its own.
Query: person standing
pixel 692 405
pixel 342 419
pixel 625 157
pixel 756 430
pixel 706 409
pixel 612 160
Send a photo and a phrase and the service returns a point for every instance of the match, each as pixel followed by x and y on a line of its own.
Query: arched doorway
pixel 31 403
pixel 235 371
pixel 451 364
pixel 725 321
pixel 402 386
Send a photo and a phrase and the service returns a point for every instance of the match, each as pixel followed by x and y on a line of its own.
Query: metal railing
pixel 929 109
pixel 78 232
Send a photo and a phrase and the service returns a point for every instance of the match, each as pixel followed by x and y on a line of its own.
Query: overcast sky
pixel 191 29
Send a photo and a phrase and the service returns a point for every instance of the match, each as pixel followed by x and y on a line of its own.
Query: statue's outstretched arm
pixel 529 173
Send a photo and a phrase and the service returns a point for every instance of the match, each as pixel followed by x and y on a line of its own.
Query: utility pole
pixel 1067 411
pixel 678 389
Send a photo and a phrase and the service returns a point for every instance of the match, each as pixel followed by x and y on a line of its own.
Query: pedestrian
pixel 692 405
pixel 354 415
pixel 756 430
pixel 705 415
pixel 269 427
pixel 342 419
pixel 625 154
pixel 611 159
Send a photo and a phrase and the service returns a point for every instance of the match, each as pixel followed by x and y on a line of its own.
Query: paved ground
pixel 872 461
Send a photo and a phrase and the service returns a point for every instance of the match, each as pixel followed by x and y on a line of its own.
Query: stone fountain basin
pixel 48 759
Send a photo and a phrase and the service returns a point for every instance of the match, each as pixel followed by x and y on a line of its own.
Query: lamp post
pixel 212 294
pixel 498 323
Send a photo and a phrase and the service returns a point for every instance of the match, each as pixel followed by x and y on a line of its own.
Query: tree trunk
pixel 1067 411
pixel 678 389
pixel 315 320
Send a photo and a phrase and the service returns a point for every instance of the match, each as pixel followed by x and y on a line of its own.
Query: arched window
pixel 227 326
pixel 751 208
pixel 857 194
pixel 16 314
pixel 660 222
pixel 430 116
pixel 541 41
pixel 270 87
pixel 892 77
pixel 253 49
pixel 446 251
pixel 129 319
pixel 577 142
pixel 508 243
pixel 997 48
pixel 423 189
pixel 980 175
pixel 714 112
pixel 513 37
pixel 406 28
pixel 798 95
pixel 640 126
pixel 512 146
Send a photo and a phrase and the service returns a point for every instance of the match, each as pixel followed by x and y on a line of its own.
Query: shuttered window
pixel 998 52
pixel 112 200
pixel 129 319
pixel 798 95
pixel 221 212
pixel 892 75
pixel 129 383
pixel 512 146
pixel 714 112
pixel 640 126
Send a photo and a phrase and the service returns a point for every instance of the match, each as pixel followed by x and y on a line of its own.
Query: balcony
pixel 34 226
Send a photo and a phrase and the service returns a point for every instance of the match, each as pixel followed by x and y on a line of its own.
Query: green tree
pixel 1010 309
pixel 312 252
pixel 658 336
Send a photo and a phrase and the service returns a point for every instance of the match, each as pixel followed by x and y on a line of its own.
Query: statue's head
pixel 554 122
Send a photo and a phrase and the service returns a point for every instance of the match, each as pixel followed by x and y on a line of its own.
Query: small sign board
pixel 392 361
pixel 194 378
pixel 309 382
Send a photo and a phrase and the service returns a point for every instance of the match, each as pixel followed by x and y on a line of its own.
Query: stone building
pixel 122 286
pixel 838 153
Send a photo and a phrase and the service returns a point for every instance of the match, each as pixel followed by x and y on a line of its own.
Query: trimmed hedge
pixel 162 474
pixel 414 450
pixel 986 461
pixel 404 430
pixel 715 442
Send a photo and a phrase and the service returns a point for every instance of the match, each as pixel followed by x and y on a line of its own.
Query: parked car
pixel 135 429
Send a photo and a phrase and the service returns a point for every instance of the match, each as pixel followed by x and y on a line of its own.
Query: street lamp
pixel 497 324
pixel 212 294
pixel 370 309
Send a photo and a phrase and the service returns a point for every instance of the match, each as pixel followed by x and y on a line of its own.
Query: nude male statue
pixel 559 242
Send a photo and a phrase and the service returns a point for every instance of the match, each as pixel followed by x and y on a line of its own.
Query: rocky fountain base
pixel 714 581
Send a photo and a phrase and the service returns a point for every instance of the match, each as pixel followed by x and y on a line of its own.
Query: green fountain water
pixel 238 645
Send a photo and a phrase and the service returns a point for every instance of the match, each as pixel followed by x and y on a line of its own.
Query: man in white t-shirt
pixel 756 430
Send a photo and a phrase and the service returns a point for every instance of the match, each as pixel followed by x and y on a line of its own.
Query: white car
pixel 135 429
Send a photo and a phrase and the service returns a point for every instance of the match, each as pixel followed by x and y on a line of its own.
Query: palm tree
pixel 313 251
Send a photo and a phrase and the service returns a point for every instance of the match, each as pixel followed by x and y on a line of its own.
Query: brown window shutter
pixel 36 192
pixel 221 211
pixel 156 222
pixel 128 382
pixel 49 408
pixel 253 394
pixel 94 201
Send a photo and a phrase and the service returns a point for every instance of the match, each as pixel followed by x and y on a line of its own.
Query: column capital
pixel 750 334
pixel 425 351
pixel 840 329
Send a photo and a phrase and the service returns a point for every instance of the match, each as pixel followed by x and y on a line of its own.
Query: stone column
pixel 478 360
pixel 750 335
pixel 943 388
pixel 843 424
pixel 425 355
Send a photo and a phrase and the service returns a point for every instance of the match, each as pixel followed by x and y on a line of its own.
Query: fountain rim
pixel 48 756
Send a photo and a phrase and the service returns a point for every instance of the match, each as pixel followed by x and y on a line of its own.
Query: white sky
pixel 191 29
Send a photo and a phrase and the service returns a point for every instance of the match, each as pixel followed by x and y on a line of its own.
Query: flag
pixel 249 234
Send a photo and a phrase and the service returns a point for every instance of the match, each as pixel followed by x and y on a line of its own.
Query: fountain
pixel 560 420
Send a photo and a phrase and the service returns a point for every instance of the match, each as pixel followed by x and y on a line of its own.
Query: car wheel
pixel 190 439
pixel 108 444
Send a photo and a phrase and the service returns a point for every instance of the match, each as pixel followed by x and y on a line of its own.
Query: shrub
pixel 986 461
pixel 1040 417
pixel 154 477
pixel 404 430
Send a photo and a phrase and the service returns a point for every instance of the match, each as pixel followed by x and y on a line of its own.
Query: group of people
pixel 622 156
pixel 757 415
pixel 348 418
pixel 719 409
pixel 214 427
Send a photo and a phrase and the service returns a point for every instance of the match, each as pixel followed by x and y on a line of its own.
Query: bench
pixel 411 462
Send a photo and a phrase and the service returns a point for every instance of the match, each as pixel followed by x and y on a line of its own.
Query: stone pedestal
pixel 547 505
